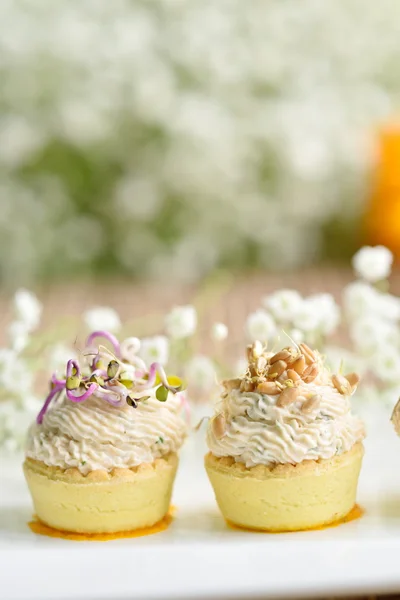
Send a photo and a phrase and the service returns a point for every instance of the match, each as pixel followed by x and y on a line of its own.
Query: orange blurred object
pixel 383 217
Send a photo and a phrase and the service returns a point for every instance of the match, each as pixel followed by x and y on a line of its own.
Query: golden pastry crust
pixel 101 502
pixel 286 497
pixel 73 475
pixel 228 465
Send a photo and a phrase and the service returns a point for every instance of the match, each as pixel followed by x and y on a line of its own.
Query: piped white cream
pixel 95 435
pixel 257 431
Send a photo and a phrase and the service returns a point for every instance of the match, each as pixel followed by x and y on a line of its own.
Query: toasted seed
pixel 294 355
pixel 287 396
pixel 268 387
pixel 299 364
pixel 252 370
pixel 254 350
pixel 283 377
pixel 282 355
pixel 313 402
pixel 219 426
pixel 293 375
pixel 341 384
pixel 353 379
pixel 247 385
pixel 310 373
pixel 277 369
pixel 258 379
pixel 395 418
pixel 308 353
pixel 231 384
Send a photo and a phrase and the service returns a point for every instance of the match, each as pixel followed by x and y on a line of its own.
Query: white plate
pixel 198 556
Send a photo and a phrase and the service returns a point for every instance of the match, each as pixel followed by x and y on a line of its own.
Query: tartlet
pixel 103 453
pixel 285 449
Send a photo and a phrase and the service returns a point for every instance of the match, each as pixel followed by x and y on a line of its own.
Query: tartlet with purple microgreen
pixel 285 448
pixel 103 452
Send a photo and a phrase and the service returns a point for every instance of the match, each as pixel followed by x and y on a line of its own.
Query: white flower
pixel 308 318
pixel 240 367
pixel 15 376
pixel 181 322
pixel 387 306
pixel 284 305
pixel 15 419
pixel 59 355
pixel 27 308
pixel 296 335
pixel 102 318
pixel 371 333
pixel 260 326
pixel 373 263
pixel 318 313
pixel 200 373
pixel 338 358
pixel 154 349
pixel 328 312
pixel 18 336
pixel 385 364
pixel 361 299
pixel 130 348
pixel 219 332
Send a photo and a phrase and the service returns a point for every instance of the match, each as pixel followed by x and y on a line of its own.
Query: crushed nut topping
pixel 285 372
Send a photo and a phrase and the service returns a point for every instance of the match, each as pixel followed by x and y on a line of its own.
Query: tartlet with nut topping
pixel 103 453
pixel 285 448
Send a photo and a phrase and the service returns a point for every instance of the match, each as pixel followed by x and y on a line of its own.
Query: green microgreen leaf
pixel 161 393
pixel 112 369
pixel 73 382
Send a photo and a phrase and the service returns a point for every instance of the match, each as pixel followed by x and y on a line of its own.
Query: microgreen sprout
pixel 111 379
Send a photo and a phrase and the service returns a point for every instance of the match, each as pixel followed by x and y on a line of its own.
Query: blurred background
pixel 164 140
pixel 168 152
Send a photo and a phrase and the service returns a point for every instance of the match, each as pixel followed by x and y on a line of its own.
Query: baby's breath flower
pixel 371 333
pixel 359 298
pixel 219 332
pixel 181 322
pixel 15 419
pixel 154 349
pixel 18 336
pixel 308 318
pixel 373 263
pixel 386 364
pixel 27 308
pixel 102 318
pixel 200 373
pixel 283 305
pixel 296 335
pixel 260 326
pixel 15 376
pixel 240 368
pixel 58 356
pixel 328 312
pixel 341 360
pixel 130 348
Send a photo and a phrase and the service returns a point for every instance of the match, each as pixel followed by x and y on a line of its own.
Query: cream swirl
pixel 260 432
pixel 94 435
